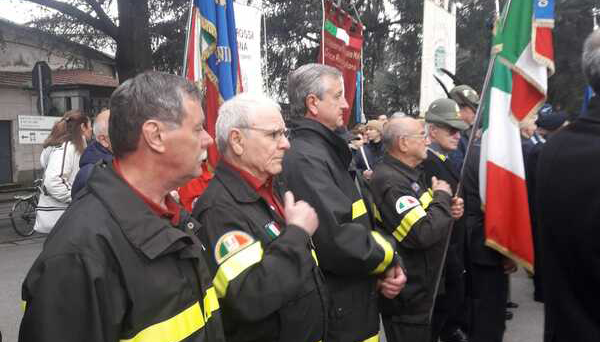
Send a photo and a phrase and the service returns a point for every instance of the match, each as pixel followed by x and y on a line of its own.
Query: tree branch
pixel 106 26
pixel 101 14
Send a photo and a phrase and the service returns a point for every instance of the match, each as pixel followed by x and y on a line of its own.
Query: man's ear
pixel 153 132
pixel 236 141
pixel 311 102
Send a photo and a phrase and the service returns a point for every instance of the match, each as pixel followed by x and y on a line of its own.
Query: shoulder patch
pixel 405 203
pixel 231 243
pixel 272 229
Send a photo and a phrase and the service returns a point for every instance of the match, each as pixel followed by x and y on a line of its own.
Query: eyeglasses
pixel 276 134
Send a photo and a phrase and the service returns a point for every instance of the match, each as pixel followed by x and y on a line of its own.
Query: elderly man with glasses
pixel 267 280
pixel 419 217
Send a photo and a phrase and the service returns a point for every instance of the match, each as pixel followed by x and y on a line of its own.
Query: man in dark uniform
pixel 488 269
pixel 268 283
pixel 122 263
pixel 445 127
pixel 468 101
pixel 419 218
pixel 568 208
pixel 356 260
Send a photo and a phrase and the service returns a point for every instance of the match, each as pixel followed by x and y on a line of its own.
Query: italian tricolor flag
pixel 518 88
pixel 342 35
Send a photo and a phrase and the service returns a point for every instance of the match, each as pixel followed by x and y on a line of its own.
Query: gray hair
pixel 100 127
pixel 399 114
pixel 394 129
pixel 238 112
pixel 306 80
pixel 590 60
pixel 149 95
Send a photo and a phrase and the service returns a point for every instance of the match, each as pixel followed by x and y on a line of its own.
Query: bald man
pixel 419 218
pixel 99 149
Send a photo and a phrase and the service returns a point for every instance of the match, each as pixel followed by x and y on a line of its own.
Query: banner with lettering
pixel 247 21
pixel 342 43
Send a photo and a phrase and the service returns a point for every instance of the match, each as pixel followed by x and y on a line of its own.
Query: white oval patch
pixel 405 203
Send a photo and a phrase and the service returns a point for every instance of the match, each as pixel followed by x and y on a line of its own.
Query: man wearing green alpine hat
pixel 445 126
pixel 468 101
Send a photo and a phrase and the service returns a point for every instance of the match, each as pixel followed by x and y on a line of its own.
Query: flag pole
pixel 187 38
pixel 484 91
pixel 323 34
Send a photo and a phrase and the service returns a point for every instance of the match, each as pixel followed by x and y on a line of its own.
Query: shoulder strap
pixel 62 167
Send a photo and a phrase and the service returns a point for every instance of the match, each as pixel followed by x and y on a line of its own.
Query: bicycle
pixel 22 215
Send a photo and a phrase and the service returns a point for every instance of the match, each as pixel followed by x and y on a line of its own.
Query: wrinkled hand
pixel 438 184
pixel 457 209
pixel 300 214
pixel 509 266
pixel 368 174
pixel 392 282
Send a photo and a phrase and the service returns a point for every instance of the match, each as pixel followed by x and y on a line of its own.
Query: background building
pixel 82 78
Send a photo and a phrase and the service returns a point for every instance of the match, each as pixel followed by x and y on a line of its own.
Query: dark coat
pixel 113 270
pixel 350 253
pixel 568 209
pixel 276 291
pixel 92 154
pixel 374 153
pixel 420 220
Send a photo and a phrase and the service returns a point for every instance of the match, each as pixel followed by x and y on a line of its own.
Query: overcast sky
pixel 18 11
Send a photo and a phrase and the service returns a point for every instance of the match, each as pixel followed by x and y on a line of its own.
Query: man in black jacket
pixel 419 218
pixel 445 127
pixel 122 263
pixel 568 209
pixel 356 260
pixel 268 283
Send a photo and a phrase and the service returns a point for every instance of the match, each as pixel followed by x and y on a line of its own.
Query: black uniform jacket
pixel 568 209
pixel 349 251
pixel 269 284
pixel 112 270
pixel 441 167
pixel 478 252
pixel 420 220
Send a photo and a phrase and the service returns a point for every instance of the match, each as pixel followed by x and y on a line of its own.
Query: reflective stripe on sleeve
pixel 358 209
pixel 414 215
pixel 376 213
pixel 174 329
pixel 372 339
pixel 426 199
pixel 211 303
pixel 235 265
pixel 387 248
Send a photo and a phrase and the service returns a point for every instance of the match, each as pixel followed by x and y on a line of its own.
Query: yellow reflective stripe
pixel 376 213
pixel 358 209
pixel 387 248
pixel 426 199
pixel 173 329
pixel 372 339
pixel 235 265
pixel 23 305
pixel 314 255
pixel 414 215
pixel 211 303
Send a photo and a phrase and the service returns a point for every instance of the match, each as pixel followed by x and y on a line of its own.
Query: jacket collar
pixel 235 184
pixel 412 174
pixel 302 126
pixel 149 233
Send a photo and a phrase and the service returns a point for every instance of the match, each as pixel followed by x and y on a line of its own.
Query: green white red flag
pixel 523 44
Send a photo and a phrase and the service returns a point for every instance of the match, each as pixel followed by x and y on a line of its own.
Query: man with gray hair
pixel 97 150
pixel 356 260
pixel 258 239
pixel 568 210
pixel 123 263
pixel 419 218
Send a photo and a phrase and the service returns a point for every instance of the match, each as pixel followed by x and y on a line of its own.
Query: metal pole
pixel 187 38
pixel 41 90
pixel 323 34
pixel 266 46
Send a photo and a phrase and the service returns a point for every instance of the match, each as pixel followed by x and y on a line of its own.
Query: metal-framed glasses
pixel 275 134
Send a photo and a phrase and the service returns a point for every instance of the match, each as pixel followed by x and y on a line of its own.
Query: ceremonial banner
pixel 518 89
pixel 342 43
pixel 212 58
pixel 439 51
pixel 247 20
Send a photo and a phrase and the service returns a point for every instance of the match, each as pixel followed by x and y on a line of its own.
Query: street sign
pixel 32 137
pixel 37 122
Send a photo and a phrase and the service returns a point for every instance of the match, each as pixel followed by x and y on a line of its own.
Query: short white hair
pixel 100 127
pixel 238 112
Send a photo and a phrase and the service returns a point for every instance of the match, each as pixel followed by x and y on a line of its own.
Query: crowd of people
pixel 303 231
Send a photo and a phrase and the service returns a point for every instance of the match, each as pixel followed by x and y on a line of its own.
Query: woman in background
pixel 60 160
